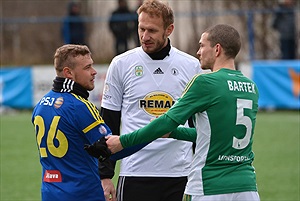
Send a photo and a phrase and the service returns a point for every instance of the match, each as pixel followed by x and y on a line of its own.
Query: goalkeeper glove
pixel 98 149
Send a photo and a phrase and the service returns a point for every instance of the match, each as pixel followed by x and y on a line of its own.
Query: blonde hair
pixel 158 9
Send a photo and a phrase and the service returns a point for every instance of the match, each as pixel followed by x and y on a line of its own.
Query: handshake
pixel 98 149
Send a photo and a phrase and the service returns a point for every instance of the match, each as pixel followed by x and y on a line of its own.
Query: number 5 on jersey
pixel 241 119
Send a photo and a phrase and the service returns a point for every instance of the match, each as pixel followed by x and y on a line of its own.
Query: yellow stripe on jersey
pixel 91 126
pixel 189 84
pixel 93 110
pixel 193 80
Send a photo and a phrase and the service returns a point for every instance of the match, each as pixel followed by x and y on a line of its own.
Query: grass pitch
pixel 277 155
pixel 276 147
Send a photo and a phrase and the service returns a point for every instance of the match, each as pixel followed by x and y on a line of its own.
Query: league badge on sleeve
pixel 104 130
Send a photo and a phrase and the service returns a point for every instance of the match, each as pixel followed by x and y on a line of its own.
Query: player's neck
pixel 61 84
pixel 224 63
pixel 161 54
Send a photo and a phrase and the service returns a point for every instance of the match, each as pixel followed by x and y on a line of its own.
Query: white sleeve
pixel 113 88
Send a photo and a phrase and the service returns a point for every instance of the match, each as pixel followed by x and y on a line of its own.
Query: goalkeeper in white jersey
pixel 224 104
pixel 142 84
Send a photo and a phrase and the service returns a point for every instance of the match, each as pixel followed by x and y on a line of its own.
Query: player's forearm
pixel 107 169
pixel 127 151
pixel 183 133
pixel 150 132
pixel 112 119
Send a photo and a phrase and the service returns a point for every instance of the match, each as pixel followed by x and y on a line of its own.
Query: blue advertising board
pixel 278 83
pixel 16 87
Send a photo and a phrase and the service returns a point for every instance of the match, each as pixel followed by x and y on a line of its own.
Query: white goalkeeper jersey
pixel 143 89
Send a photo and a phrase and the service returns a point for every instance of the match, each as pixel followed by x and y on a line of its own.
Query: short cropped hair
pixel 158 9
pixel 227 36
pixel 64 55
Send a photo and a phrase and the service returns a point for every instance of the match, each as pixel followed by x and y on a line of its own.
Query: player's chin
pixel 91 87
pixel 148 48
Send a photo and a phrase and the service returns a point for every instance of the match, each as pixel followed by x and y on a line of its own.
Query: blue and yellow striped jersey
pixel 64 122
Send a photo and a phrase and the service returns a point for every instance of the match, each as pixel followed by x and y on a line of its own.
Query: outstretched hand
pixel 113 143
pixel 98 149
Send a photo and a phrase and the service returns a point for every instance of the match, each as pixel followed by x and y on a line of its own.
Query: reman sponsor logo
pixel 156 103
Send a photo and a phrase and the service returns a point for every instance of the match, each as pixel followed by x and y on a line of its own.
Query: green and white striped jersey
pixel 224 104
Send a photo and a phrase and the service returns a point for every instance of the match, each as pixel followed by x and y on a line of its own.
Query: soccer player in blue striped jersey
pixel 224 104
pixel 65 121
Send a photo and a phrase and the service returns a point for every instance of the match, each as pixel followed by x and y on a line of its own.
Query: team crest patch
pixel 139 70
pixel 58 102
pixel 174 71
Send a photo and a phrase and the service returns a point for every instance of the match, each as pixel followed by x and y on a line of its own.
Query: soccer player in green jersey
pixel 224 104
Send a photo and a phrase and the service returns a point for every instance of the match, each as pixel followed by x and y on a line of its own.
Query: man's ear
pixel 218 49
pixel 169 30
pixel 68 73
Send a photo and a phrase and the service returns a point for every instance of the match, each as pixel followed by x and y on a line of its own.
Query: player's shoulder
pixel 67 100
pixel 71 101
pixel 184 55
pixel 225 74
pixel 81 102
pixel 128 55
pixel 84 106
pixel 60 101
pixel 205 76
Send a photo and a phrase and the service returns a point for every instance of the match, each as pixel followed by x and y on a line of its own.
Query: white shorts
pixel 242 196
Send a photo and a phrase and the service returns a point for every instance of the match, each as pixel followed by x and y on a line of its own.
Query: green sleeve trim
pixel 183 133
pixel 150 132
